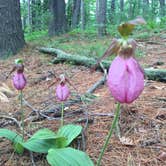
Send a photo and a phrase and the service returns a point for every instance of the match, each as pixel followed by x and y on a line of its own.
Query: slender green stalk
pixel 62 112
pixel 22 113
pixel 116 117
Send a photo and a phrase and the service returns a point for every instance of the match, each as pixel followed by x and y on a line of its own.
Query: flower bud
pixel 62 92
pixel 19 81
pixel 125 79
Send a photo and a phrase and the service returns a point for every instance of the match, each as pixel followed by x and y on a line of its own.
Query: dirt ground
pixel 142 123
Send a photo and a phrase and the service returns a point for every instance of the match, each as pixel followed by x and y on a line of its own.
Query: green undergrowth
pixel 86 43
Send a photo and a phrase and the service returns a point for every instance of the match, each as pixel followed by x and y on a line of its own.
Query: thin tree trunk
pixel 101 6
pixel 122 5
pixel 29 13
pixel 121 9
pixel 24 17
pixel 83 21
pixel 76 13
pixel 112 12
pixel 162 7
pixel 33 14
pixel 145 8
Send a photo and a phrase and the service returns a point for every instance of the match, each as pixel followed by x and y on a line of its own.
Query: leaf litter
pixel 142 123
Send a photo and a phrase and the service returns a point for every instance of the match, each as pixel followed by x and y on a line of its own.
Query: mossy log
pixel 61 56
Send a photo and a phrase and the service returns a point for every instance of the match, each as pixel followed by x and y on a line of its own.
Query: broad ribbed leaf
pixel 10 135
pixel 70 132
pixel 43 140
pixel 19 148
pixel 44 134
pixel 68 157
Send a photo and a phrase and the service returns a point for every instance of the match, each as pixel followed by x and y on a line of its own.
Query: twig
pixel 98 83
pixel 32 158
pixel 102 114
pixel 11 118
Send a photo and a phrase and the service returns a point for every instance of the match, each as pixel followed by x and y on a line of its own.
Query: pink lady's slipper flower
pixel 18 79
pixel 125 77
pixel 62 90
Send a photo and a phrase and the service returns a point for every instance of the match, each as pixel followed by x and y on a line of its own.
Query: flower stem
pixel 62 112
pixel 116 117
pixel 22 113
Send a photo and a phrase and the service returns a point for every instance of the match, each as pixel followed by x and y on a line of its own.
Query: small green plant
pixel 56 145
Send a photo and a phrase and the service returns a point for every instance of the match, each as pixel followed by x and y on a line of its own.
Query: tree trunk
pixel 29 14
pixel 101 6
pixel 162 7
pixel 83 21
pixel 121 5
pixel 58 21
pixel 121 10
pixel 33 14
pixel 145 7
pixel 24 16
pixel 11 34
pixel 76 13
pixel 112 12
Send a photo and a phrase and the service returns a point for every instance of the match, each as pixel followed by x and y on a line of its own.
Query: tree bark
pixel 112 11
pixel 58 23
pixel 101 7
pixel 33 14
pixel 145 8
pixel 83 21
pixel 11 34
pixel 152 74
pixel 162 7
pixel 76 13
pixel 29 14
pixel 121 5
pixel 24 16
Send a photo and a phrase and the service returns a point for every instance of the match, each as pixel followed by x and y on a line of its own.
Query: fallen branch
pixel 151 74
pixel 11 118
pixel 61 56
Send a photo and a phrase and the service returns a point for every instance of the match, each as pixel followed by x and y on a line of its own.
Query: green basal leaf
pixel 44 134
pixel 70 132
pixel 43 140
pixel 39 145
pixel 13 137
pixel 68 157
pixel 18 148
pixel 10 135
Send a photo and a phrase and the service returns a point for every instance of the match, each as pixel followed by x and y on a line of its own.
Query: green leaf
pixel 70 132
pixel 39 145
pixel 13 137
pixel 19 148
pixel 43 140
pixel 10 135
pixel 44 134
pixel 68 157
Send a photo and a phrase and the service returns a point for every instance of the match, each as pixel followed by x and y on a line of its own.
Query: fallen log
pixel 61 56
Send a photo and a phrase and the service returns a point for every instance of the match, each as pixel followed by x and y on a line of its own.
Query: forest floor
pixel 142 123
